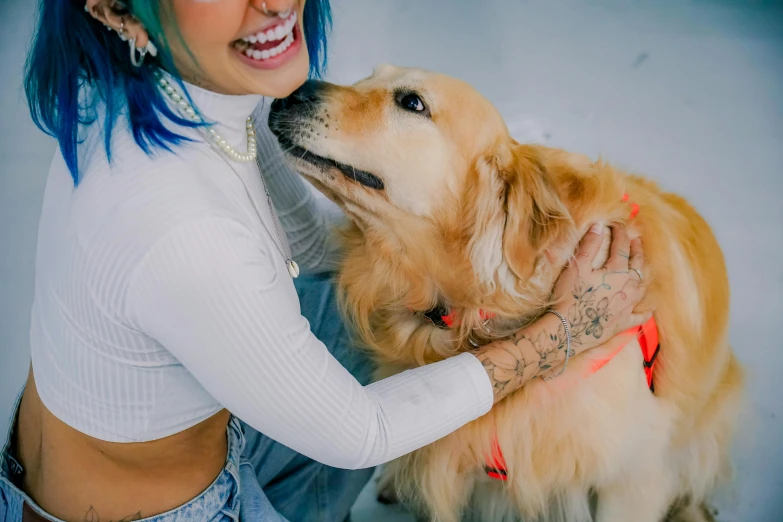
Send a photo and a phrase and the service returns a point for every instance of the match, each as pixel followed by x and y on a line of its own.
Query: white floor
pixel 688 92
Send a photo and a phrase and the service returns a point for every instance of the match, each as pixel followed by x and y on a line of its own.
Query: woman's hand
pixel 597 304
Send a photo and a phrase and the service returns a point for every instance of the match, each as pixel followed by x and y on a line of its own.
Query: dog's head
pixel 407 149
pixel 425 167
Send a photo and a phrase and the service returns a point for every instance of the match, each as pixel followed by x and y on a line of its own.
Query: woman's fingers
pixel 589 246
pixel 636 262
pixel 581 263
pixel 620 251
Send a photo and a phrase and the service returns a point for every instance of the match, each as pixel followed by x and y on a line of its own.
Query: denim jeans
pixel 263 480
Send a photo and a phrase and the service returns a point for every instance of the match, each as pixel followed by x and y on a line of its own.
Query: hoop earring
pixel 142 53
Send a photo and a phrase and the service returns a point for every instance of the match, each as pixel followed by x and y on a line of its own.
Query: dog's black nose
pixel 309 93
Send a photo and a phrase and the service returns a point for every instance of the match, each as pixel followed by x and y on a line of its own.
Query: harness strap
pixel 648 340
pixel 496 464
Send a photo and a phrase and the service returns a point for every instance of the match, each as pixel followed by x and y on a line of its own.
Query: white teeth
pixel 283 33
pixel 269 53
pixel 277 33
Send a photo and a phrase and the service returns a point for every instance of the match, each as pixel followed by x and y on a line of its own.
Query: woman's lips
pixel 271 47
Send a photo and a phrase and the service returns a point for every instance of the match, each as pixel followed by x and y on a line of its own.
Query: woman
pixel 164 299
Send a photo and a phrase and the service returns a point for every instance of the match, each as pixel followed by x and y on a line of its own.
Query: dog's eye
pixel 411 101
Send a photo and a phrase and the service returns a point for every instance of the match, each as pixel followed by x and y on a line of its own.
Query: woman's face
pixel 238 49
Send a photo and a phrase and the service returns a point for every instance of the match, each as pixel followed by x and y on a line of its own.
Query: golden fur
pixel 472 218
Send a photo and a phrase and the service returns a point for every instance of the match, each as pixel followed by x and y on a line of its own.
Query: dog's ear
pixel 535 214
pixel 517 212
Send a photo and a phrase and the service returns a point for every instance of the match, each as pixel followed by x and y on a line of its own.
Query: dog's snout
pixel 309 93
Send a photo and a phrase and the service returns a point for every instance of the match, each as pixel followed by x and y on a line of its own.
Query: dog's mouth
pixel 362 177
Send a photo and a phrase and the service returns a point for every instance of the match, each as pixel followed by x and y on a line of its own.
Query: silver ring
pixel 639 273
pixel 264 9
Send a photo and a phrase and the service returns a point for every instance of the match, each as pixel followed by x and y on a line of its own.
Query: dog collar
pixel 444 318
pixel 439 316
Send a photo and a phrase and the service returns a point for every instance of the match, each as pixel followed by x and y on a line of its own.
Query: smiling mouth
pixel 362 177
pixel 269 43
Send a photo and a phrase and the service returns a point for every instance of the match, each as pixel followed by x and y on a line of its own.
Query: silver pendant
pixel 293 268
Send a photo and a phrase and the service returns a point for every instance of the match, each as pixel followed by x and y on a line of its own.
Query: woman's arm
pixel 309 221
pixel 578 294
pixel 219 299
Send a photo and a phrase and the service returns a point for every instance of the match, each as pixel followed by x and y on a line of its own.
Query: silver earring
pixel 151 49
pixel 143 51
pixel 133 50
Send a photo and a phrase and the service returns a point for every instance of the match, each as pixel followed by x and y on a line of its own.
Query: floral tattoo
pixel 533 352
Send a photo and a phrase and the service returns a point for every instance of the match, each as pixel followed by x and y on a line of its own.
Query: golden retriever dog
pixel 449 212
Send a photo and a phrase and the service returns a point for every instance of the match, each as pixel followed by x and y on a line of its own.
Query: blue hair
pixel 71 51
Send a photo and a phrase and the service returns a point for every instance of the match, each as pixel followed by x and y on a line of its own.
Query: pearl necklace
pixel 189 112
pixel 242 157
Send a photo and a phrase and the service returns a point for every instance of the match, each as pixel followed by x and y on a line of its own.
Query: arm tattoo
pixel 590 314
pixel 92 516
pixel 518 360
pixel 536 350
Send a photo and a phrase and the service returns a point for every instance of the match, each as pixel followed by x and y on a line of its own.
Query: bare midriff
pixel 76 477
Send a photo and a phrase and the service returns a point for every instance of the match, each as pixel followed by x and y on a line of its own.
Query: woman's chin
pixel 282 85
pixel 278 82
